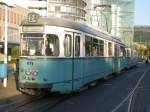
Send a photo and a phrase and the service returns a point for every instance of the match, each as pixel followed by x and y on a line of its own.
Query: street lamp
pixel 5 42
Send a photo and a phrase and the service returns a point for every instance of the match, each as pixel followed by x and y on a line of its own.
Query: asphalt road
pixel 128 91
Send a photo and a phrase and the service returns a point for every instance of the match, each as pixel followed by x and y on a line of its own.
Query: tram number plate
pixel 30 63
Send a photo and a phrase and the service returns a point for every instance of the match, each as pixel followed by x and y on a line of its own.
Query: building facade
pixel 113 16
pixel 142 35
pixel 68 9
pixel 38 6
pixel 15 15
pixel 142 40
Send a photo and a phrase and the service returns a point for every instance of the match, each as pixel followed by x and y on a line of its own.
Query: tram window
pixel 77 46
pixel 95 47
pixel 52 45
pixel 109 49
pixel 128 53
pixel 31 46
pixel 122 51
pixel 101 48
pixel 116 50
pixel 88 45
pixel 67 45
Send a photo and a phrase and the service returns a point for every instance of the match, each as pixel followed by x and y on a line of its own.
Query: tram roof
pixel 70 24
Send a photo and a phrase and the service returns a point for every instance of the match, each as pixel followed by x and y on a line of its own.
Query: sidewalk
pixel 10 90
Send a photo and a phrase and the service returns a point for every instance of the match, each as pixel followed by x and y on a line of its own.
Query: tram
pixel 59 55
pixel 7 60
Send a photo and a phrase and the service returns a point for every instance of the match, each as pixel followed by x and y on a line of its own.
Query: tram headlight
pixel 31 72
pixel 34 72
pixel 27 72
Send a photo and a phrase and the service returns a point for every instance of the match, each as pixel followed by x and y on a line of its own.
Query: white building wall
pixel 39 7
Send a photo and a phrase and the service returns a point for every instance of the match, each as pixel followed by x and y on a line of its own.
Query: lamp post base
pixel 5 82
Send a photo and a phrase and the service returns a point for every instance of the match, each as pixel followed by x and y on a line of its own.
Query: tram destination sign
pixel 33 29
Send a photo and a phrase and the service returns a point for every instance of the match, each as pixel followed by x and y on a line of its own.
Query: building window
pixel 14 18
pixel 63 9
pixel 8 16
pixel 11 17
pixel 57 8
pixel 0 13
pixel 67 45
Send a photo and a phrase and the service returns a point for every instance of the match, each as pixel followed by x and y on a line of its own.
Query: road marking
pixel 148 110
pixel 107 84
pixel 130 94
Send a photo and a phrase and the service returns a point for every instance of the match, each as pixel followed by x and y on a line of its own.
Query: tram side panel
pixel 116 65
pixel 123 61
pixel 78 72
pixel 96 68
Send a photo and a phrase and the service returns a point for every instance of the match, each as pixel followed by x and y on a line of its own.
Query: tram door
pixel 77 62
pixel 116 63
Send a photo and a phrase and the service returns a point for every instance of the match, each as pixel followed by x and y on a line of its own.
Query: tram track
pixel 131 94
pixel 38 104
pixel 18 101
pixel 141 97
pixel 48 107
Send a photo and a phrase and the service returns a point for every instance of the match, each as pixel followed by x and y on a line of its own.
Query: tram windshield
pixel 32 45
pixel 36 45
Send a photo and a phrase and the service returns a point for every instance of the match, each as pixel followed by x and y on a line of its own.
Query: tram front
pixel 43 64
pixel 32 77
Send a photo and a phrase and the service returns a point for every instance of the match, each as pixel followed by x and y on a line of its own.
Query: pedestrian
pixel 146 61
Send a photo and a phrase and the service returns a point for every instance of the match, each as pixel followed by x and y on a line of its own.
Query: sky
pixel 18 2
pixel 142 10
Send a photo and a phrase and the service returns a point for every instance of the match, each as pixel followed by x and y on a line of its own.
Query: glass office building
pixel 125 26
pixel 113 16
pixel 99 14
